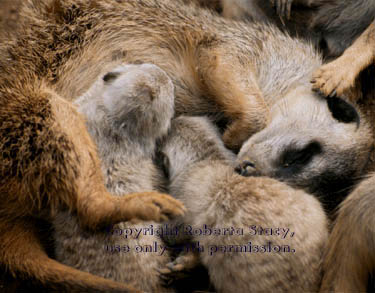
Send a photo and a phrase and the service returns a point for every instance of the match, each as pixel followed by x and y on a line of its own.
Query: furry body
pixel 218 67
pixel 202 177
pixel 334 24
pixel 349 263
pixel 339 76
pixel 126 113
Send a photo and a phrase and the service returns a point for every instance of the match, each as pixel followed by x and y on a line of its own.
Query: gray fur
pixel 127 112
pixel 335 22
pixel 216 196
pixel 300 116
pixel 340 22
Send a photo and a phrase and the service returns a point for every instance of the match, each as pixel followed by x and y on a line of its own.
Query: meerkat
pixel 317 143
pixel 341 22
pixel 295 21
pixel 346 30
pixel 335 26
pixel 338 76
pixel 349 261
pixel 202 177
pixel 218 67
pixel 332 24
pixel 127 110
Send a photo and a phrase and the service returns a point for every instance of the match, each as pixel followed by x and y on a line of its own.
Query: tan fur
pixel 49 163
pixel 193 59
pixel 350 260
pixel 339 76
pixel 218 67
pixel 127 111
pixel 202 177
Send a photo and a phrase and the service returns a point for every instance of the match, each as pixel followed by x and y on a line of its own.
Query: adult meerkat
pixel 292 148
pixel 295 147
pixel 127 110
pixel 48 164
pixel 338 76
pixel 349 261
pixel 202 177
pixel 335 24
pixel 346 29
pixel 217 66
pixel 339 26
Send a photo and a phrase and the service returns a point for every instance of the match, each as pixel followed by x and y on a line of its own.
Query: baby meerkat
pixel 248 259
pixel 127 110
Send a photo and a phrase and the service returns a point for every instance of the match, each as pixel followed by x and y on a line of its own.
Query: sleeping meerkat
pixel 349 262
pixel 218 67
pixel 312 142
pixel 341 27
pixel 338 76
pixel 333 24
pixel 202 177
pixel 127 110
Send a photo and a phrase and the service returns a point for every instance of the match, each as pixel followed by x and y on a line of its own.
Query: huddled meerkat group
pixel 97 99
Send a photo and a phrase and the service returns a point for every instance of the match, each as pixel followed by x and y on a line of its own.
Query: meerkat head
pixel 315 143
pixel 191 140
pixel 138 100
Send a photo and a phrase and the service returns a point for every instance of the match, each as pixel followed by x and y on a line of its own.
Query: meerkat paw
pixel 180 267
pixel 153 206
pixel 334 78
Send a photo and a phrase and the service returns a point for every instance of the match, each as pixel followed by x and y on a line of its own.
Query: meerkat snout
pixel 290 161
pixel 246 168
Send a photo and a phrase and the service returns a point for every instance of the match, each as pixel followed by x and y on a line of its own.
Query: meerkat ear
pixel 342 111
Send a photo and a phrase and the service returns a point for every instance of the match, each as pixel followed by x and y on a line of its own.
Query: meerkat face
pixel 139 99
pixel 314 143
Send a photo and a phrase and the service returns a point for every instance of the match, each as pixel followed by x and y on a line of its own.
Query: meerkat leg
pixel 95 205
pixel 336 77
pixel 234 88
pixel 350 258
pixel 24 257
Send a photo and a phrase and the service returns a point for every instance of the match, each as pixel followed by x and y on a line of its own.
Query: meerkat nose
pixel 246 168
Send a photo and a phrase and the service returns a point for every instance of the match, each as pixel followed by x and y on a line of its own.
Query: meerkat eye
pixel 342 111
pixel 294 157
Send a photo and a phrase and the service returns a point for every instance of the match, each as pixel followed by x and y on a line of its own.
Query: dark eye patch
pixel 342 111
pixel 293 158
